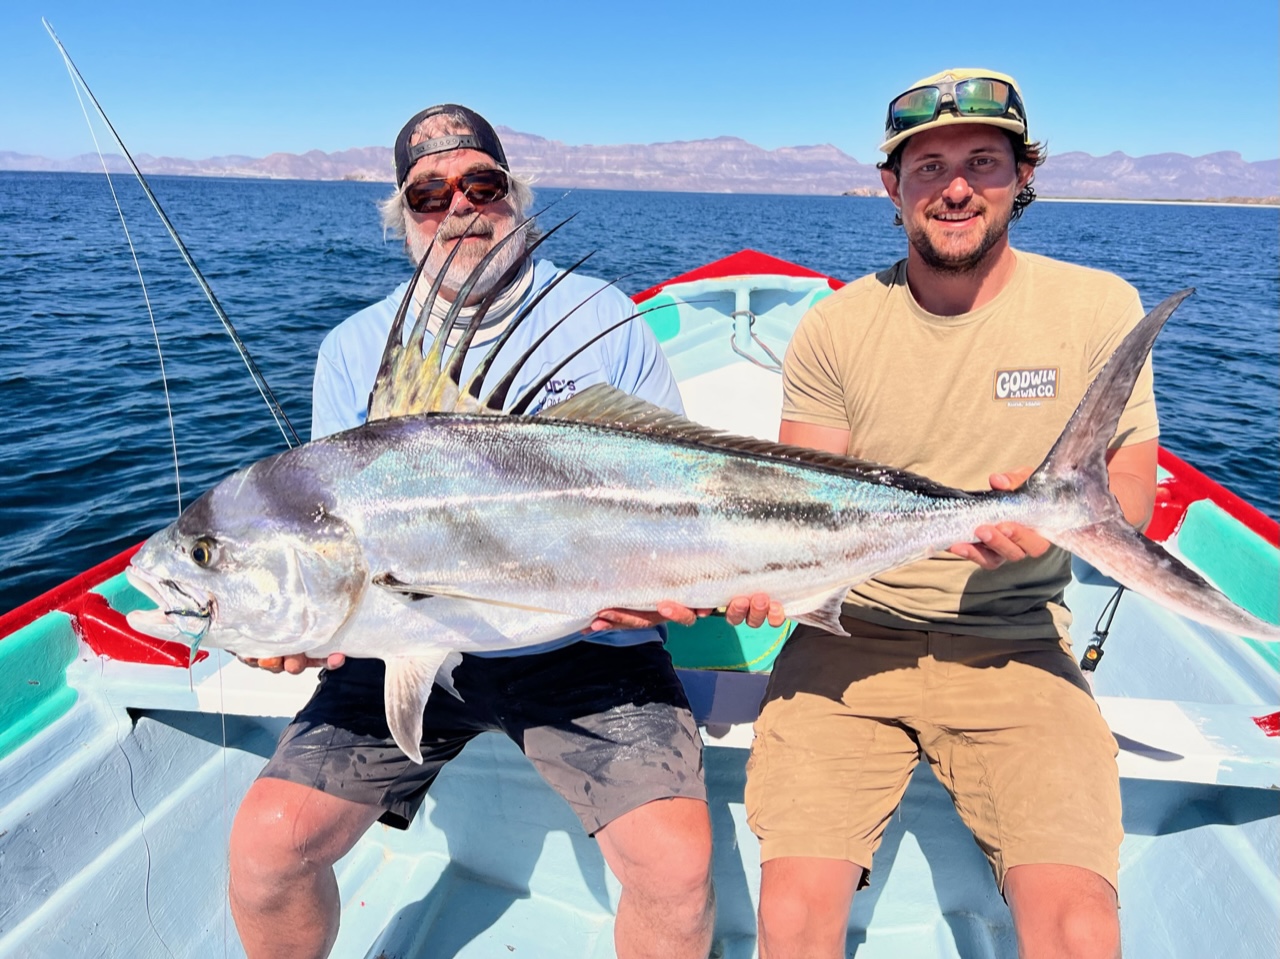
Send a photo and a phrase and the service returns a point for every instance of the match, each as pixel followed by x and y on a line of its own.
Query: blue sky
pixel 232 77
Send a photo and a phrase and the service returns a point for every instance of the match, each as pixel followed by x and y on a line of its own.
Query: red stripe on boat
pixel 103 629
pixel 742 263
pixel 59 596
pixel 1269 724
pixel 1185 485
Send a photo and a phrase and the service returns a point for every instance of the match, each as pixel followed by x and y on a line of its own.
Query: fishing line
pixel 260 381
pixel 264 390
pixel 142 816
pixel 146 297
pixel 226 804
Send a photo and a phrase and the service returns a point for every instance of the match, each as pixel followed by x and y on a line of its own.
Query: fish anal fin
pixel 407 688
pixel 826 615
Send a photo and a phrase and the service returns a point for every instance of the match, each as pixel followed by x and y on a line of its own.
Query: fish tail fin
pixel 1076 468
pixel 1078 460
pixel 1118 550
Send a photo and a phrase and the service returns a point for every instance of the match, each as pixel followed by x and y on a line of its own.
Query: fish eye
pixel 202 552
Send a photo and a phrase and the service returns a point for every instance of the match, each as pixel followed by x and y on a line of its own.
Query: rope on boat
pixel 776 365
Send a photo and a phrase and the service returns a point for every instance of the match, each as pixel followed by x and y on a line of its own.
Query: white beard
pixel 468 257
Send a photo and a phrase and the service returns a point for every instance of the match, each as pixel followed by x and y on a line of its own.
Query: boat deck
pixel 119 778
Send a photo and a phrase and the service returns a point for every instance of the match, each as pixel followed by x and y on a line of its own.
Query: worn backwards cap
pixel 482 138
pixel 1014 119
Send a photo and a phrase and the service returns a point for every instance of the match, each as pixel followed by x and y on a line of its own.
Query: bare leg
pixel 661 853
pixel 284 842
pixel 1063 912
pixel 804 907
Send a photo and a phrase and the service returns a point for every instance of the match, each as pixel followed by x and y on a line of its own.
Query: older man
pixel 964 658
pixel 607 723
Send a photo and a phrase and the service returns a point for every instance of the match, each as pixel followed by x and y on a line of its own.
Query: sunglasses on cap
pixel 975 97
pixel 480 187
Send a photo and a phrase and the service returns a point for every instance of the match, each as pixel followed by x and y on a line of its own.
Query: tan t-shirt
pixel 957 398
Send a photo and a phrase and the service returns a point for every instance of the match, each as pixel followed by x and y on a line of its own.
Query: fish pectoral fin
pixel 407 688
pixel 390 581
pixel 827 614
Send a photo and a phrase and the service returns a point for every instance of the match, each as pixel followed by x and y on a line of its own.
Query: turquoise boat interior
pixel 121 768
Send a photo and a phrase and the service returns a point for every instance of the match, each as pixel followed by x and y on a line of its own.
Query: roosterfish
pixel 448 523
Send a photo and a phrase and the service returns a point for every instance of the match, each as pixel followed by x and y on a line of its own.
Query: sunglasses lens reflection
pixel 485 187
pixel 428 196
pixel 982 98
pixel 916 107
pixel 979 97
pixel 432 196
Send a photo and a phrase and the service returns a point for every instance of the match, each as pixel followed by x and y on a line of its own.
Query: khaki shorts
pixel 1008 726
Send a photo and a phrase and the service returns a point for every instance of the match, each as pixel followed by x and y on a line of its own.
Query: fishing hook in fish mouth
pixel 180 615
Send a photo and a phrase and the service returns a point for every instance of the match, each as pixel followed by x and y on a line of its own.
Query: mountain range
pixel 731 165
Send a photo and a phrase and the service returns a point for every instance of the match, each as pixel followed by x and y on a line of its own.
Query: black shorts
pixel 608 727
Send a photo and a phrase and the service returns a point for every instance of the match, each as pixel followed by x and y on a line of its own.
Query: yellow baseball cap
pixel 958 95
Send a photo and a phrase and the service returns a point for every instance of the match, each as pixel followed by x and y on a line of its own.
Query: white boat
pixel 121 768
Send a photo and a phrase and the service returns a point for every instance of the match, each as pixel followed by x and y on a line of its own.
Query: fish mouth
pixel 181 612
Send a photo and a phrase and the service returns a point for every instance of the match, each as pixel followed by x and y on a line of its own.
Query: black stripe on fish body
pixel 766 491
pixel 810 514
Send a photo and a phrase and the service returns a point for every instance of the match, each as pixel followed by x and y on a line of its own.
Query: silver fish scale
pixel 534 511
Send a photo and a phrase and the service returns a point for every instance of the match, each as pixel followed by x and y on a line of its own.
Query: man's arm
pixel 827 439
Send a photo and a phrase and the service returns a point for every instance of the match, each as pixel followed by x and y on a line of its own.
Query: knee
pixel 1063 910
pixel 791 920
pixel 783 917
pixel 262 851
pixel 804 906
pixel 670 859
pixel 680 870
pixel 1089 930
pixel 273 842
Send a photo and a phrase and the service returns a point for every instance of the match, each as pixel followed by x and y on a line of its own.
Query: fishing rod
pixel 264 389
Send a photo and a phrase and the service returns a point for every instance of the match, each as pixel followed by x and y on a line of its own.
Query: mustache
pixel 453 228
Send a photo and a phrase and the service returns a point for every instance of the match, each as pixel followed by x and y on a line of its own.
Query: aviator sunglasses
pixel 481 187
pixel 976 97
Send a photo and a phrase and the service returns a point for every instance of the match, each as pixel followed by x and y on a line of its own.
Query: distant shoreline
pixel 1263 201
pixel 1227 201
pixel 855 193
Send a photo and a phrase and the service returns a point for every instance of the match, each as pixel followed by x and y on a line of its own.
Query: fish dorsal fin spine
pixel 604 405
pixel 411 380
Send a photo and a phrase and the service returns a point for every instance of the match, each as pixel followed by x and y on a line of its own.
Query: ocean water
pixel 86 458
